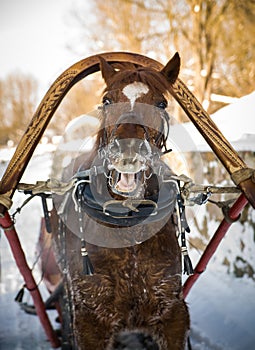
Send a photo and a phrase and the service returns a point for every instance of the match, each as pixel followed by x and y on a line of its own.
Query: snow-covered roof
pixel 236 122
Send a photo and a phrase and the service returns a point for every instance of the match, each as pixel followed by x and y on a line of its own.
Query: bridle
pixel 135 207
pixel 159 140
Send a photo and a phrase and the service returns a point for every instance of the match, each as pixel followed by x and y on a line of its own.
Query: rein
pixel 191 193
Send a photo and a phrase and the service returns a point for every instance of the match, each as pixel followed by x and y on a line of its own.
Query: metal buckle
pixel 130 204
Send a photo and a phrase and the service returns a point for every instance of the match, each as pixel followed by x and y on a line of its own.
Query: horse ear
pixel 172 68
pixel 106 69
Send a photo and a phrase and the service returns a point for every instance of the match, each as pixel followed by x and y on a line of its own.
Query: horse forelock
pixel 155 81
pixel 135 85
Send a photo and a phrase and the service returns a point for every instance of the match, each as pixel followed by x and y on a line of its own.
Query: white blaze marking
pixel 134 91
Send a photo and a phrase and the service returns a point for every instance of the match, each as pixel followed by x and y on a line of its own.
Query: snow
pixel 230 120
pixel 222 313
pixel 221 305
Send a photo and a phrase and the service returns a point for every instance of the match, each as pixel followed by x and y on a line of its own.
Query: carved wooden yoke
pixel 239 171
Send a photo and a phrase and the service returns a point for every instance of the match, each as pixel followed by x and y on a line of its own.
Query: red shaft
pixel 19 256
pixel 234 212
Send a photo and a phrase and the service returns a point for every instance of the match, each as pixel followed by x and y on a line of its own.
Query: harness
pixel 99 205
pixel 175 197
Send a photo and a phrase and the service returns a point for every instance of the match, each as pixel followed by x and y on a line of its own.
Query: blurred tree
pixel 81 99
pixel 237 47
pixel 18 98
pixel 215 38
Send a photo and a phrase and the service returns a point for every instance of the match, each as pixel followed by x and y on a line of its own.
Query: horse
pixel 122 272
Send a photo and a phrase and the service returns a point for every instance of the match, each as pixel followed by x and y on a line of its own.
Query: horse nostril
pixel 143 150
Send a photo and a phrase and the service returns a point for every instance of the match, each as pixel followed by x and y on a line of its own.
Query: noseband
pixel 125 118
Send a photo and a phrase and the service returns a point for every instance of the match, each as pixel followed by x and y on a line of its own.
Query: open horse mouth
pixel 128 161
pixel 126 183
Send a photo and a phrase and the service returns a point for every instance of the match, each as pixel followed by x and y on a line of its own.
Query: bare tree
pixel 115 26
pixel 214 37
pixel 236 49
pixel 81 99
pixel 18 98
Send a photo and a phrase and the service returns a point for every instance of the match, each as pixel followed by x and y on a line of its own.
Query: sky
pixel 34 35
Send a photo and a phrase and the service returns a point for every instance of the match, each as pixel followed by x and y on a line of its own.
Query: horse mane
pixel 127 73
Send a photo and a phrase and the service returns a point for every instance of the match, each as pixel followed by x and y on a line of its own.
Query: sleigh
pixel 121 212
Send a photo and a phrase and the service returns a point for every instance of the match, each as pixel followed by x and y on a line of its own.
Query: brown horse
pixel 132 296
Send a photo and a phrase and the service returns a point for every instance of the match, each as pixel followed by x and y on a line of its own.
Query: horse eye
pixel 162 105
pixel 106 101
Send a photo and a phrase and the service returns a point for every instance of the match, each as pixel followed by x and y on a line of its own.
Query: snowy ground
pixel 221 306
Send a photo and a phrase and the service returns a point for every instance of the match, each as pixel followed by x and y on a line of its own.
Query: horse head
pixel 135 125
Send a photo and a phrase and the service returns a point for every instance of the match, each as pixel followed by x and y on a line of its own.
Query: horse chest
pixel 135 272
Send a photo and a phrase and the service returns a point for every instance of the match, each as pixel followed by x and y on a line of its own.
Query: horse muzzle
pixel 128 165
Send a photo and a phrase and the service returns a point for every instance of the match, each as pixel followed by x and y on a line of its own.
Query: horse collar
pixel 122 212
